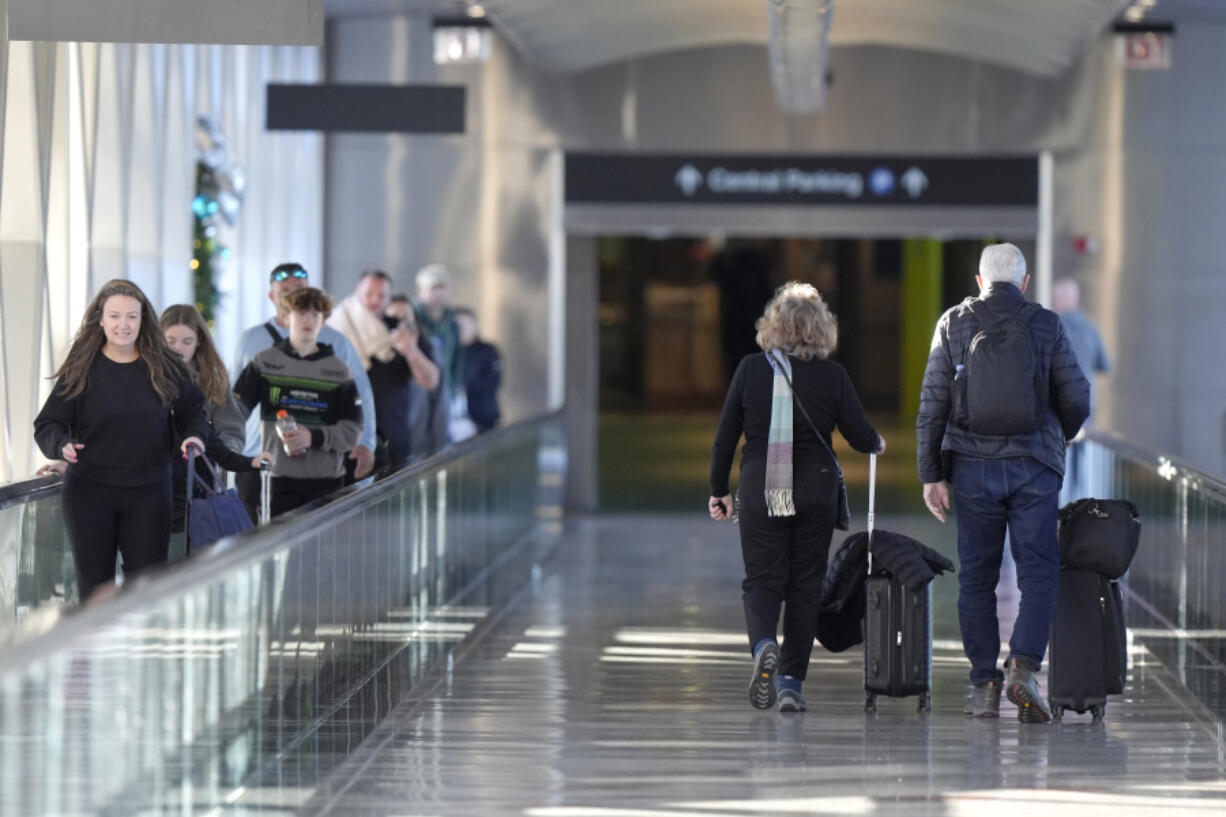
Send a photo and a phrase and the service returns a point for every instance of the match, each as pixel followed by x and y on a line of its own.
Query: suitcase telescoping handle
pixel 265 493
pixel 188 491
pixel 872 506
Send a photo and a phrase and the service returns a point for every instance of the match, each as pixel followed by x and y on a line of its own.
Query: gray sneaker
pixel 762 692
pixel 791 701
pixel 1024 693
pixel 984 700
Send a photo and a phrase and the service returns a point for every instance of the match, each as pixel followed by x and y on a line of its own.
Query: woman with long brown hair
pixel 120 402
pixel 188 336
pixel 789 489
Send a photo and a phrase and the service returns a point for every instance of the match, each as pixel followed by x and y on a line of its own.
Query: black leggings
pixel 785 560
pixel 105 520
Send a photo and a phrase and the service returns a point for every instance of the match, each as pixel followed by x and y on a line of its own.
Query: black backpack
pixel 999 387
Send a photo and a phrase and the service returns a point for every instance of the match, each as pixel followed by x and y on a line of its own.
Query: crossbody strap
pixel 809 420
pixel 272 333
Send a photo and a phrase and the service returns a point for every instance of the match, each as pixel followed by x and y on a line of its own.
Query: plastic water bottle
pixel 286 422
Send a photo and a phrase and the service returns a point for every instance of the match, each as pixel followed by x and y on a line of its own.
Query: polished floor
pixel 616 688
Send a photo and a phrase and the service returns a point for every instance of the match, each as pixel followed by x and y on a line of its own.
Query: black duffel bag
pixel 1100 535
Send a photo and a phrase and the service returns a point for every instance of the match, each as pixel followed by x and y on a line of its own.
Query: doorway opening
pixel 677 315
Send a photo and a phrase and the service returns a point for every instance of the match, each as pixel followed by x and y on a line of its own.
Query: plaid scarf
pixel 779 498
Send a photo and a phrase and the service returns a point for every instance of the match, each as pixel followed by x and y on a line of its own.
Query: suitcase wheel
pixel 925 703
pixel 1057 712
pixel 870 702
pixel 1097 711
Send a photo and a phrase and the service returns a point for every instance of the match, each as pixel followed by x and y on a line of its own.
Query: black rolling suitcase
pixel 1088 651
pixel 897 629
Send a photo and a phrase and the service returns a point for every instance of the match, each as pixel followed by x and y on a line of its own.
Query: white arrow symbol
pixel 689 179
pixel 914 181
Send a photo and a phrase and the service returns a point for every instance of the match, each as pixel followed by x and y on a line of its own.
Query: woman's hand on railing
pixel 719 507
pixel 52 469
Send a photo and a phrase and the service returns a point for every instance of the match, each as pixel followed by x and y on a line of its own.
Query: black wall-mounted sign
pixel 336 108
pixel 611 178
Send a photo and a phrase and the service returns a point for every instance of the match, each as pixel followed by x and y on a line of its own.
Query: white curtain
pixel 98 164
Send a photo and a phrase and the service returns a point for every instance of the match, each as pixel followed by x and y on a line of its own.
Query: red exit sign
pixel 1148 51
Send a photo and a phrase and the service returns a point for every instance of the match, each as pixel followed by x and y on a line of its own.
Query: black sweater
pixel 827 394
pixel 129 435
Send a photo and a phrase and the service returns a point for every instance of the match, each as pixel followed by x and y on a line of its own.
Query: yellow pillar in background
pixel 922 283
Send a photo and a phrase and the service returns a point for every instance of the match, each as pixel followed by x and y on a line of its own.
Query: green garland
pixel 205 247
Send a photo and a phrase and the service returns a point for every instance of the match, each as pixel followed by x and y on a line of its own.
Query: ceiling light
pixel 460 40
pixel 1135 14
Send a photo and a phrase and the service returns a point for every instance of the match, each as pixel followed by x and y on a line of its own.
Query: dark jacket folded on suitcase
pixel 842 604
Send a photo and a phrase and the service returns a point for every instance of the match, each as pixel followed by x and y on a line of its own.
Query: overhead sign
pixel 349 108
pixel 613 178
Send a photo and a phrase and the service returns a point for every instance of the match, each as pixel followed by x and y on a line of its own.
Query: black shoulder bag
pixel 842 519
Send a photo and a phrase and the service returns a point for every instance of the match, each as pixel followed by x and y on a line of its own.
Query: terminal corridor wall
pixel 1136 160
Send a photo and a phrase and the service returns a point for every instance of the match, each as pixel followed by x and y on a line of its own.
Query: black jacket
pixel 822 387
pixel 1068 389
pixel 482 377
pixel 842 603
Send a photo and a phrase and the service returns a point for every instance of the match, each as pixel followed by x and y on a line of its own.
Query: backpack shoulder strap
pixel 983 313
pixel 272 333
pixel 1027 313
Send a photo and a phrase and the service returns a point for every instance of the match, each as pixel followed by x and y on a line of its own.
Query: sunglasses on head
pixel 281 275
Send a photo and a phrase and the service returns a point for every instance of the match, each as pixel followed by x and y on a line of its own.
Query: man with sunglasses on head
pixel 283 279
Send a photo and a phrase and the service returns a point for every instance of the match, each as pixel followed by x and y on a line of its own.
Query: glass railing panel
pixel 35 559
pixel 1176 604
pixel 269 659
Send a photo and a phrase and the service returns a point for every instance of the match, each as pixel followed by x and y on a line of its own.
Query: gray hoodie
pixel 318 392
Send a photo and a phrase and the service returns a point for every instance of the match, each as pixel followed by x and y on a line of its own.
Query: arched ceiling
pixel 1041 37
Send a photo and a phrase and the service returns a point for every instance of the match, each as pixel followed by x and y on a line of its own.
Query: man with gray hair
pixel 1002 395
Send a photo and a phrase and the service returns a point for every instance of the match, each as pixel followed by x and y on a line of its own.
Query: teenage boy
pixel 283 279
pixel 304 378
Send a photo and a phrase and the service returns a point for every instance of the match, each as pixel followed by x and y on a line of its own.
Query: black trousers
pixel 289 493
pixel 247 483
pixel 785 560
pixel 106 520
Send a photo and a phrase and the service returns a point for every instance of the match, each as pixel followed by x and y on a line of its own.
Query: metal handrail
pixel 27 490
pixel 1166 466
pixel 238 551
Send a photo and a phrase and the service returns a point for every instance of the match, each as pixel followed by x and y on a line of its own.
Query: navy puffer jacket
pixel 1068 390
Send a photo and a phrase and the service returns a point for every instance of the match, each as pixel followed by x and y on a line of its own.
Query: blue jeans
pixel 990 495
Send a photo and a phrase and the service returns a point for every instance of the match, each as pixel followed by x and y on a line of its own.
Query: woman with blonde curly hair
pixel 788 488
